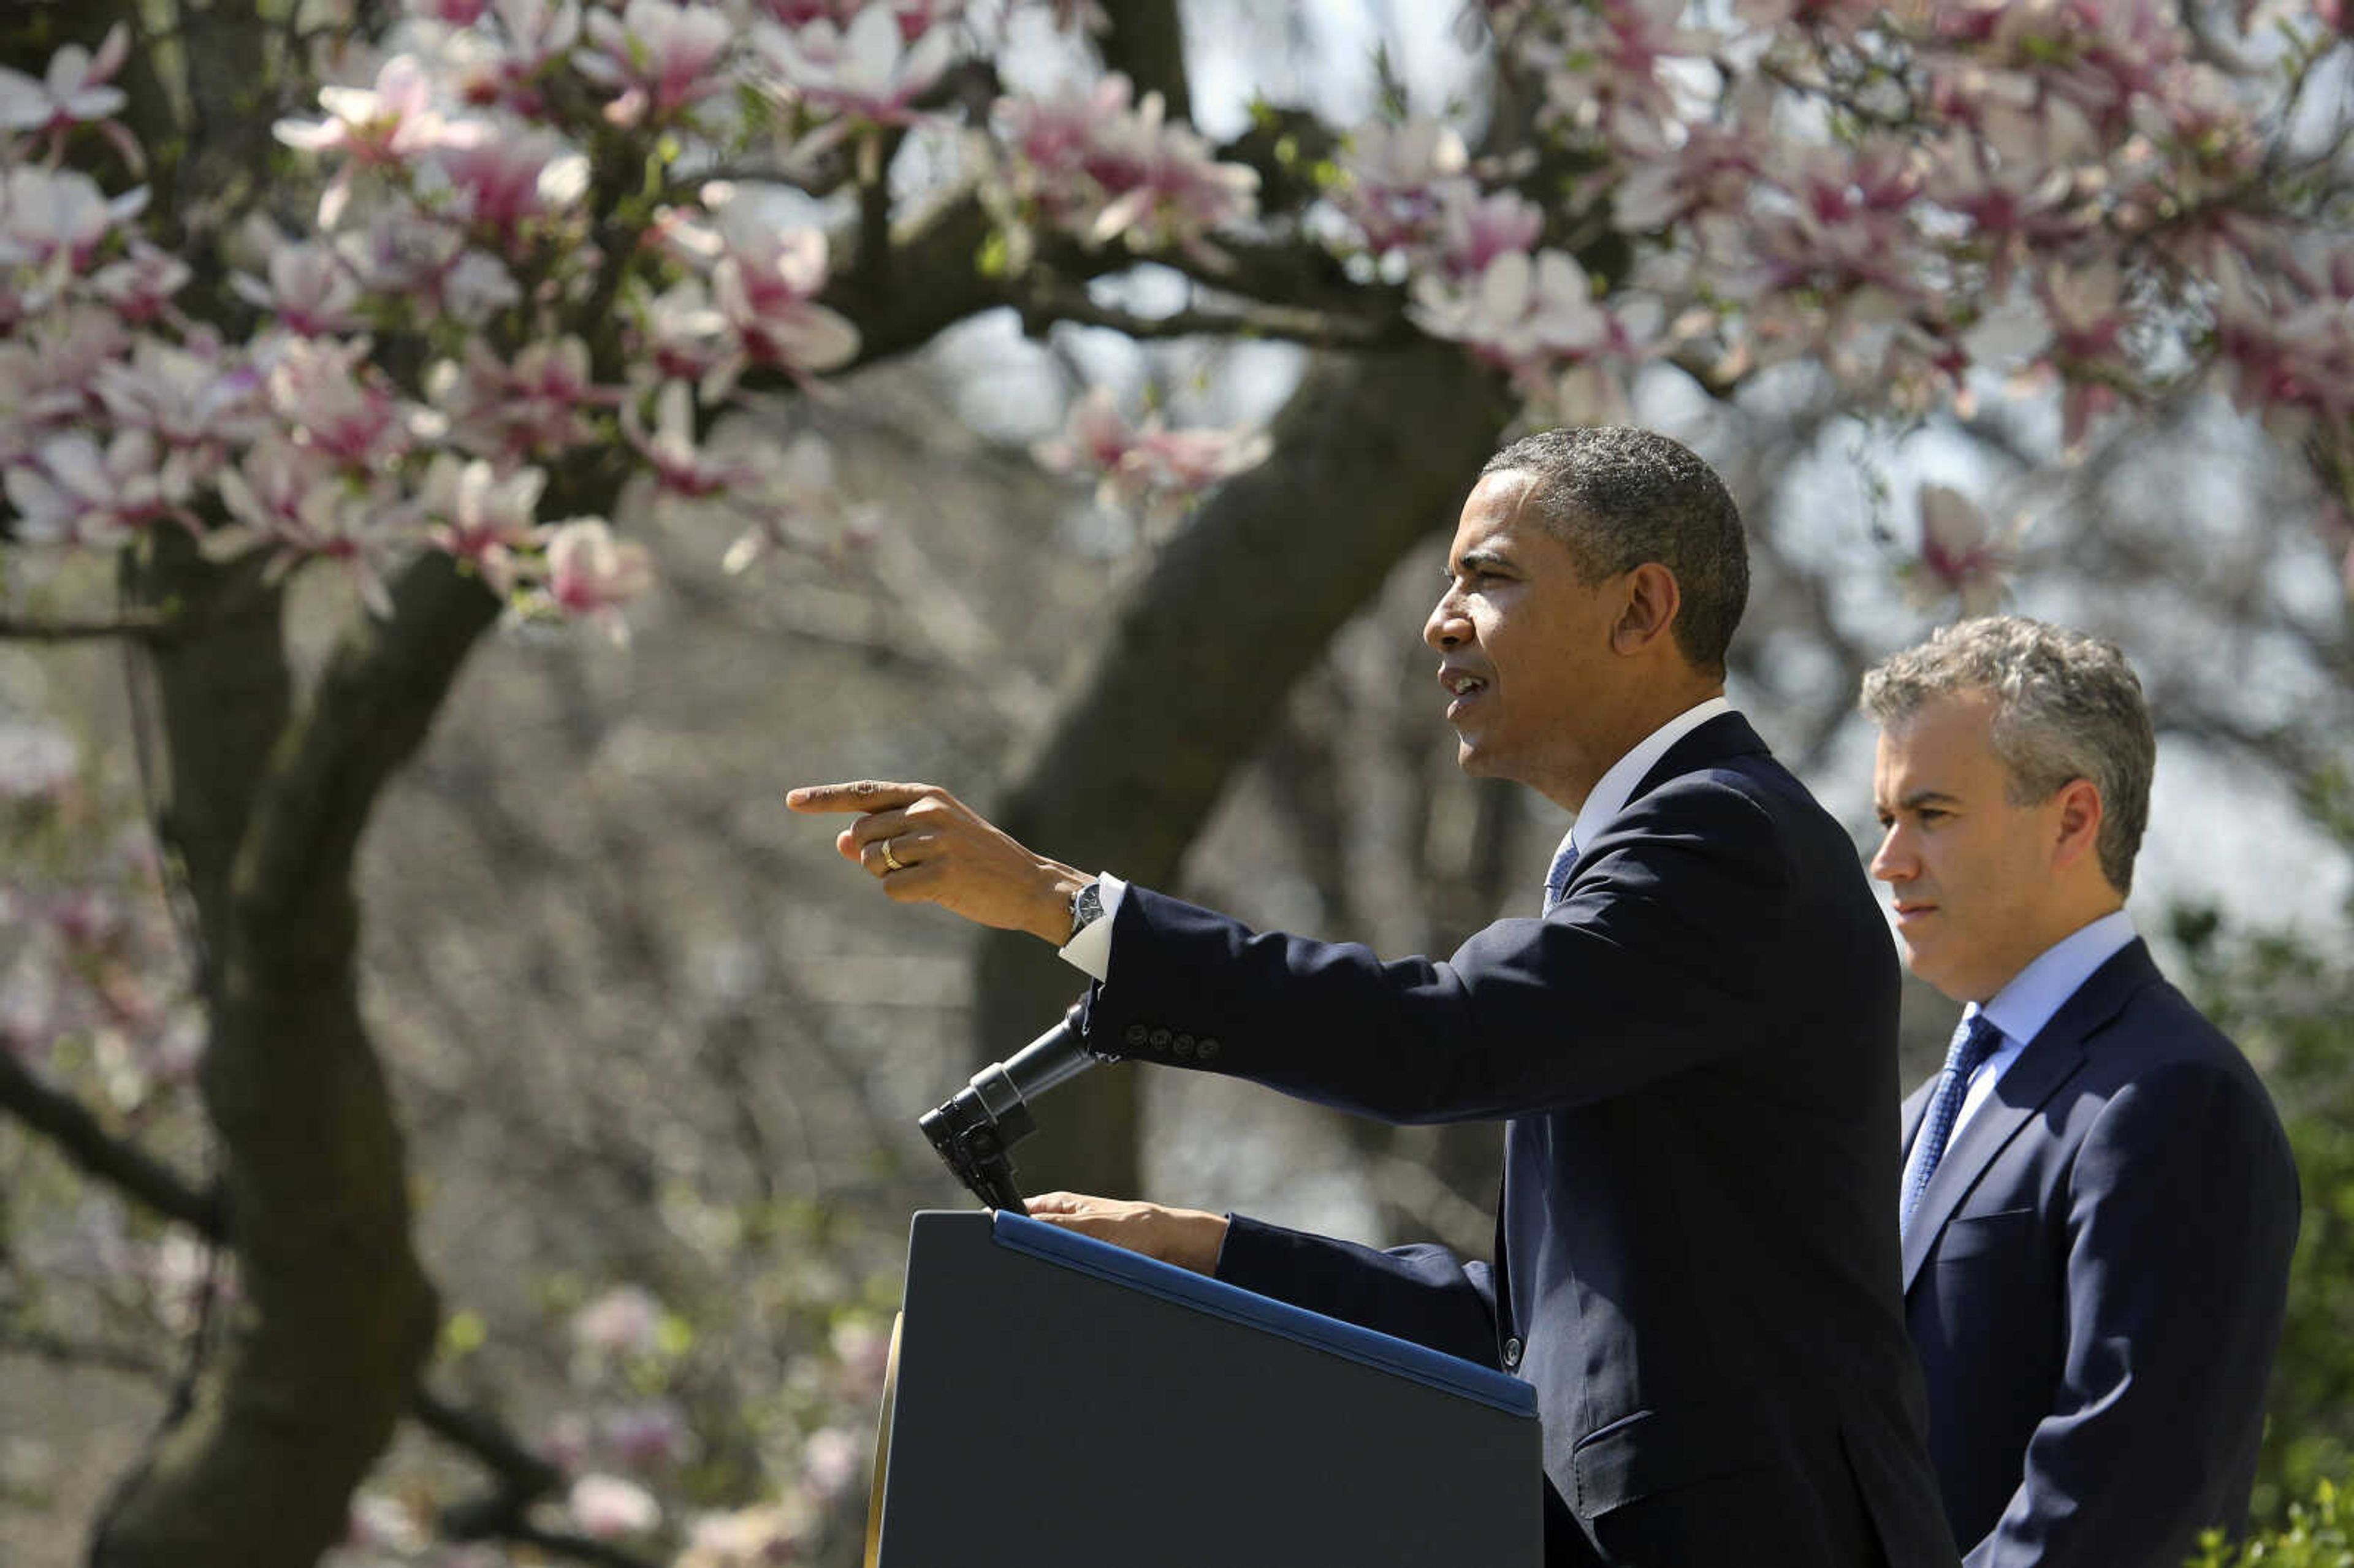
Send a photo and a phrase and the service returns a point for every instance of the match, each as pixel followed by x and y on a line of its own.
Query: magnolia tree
pixel 412 293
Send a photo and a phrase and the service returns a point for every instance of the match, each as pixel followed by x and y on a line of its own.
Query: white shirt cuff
pixel 1090 950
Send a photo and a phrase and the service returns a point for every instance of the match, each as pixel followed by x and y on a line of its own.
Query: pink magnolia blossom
pixel 538 407
pixel 428 267
pixel 1961 555
pixel 1603 75
pixel 1474 229
pixel 48 372
pixel 505 176
pixel 1095 167
pixel 73 91
pixel 680 465
pixel 1147 467
pixel 57 218
pixel 1526 314
pixel 868 69
pixel 194 398
pixel 764 282
pixel 683 333
pixel 605 1507
pixel 452 12
pixel 504 66
pixel 787 491
pixel 140 287
pixel 915 17
pixel 2017 179
pixel 1397 176
pixel 334 401
pixel 2087 308
pixel 480 517
pixel 290 500
pixel 660 55
pixel 1712 165
pixel 590 575
pixel 310 292
pixel 75 491
pixel 385 126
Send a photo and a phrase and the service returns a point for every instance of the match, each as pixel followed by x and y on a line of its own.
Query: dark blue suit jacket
pixel 1696 1257
pixel 2095 1280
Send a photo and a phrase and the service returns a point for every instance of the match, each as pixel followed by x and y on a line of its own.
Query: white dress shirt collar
pixel 2022 1008
pixel 1611 794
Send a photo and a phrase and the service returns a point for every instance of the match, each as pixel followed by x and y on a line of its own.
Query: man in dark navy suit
pixel 2098 1205
pixel 1693 1044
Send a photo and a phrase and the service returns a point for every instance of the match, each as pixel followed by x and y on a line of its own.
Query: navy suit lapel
pixel 2050 1060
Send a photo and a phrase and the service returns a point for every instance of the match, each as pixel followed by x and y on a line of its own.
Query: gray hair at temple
pixel 1619 497
pixel 2067 707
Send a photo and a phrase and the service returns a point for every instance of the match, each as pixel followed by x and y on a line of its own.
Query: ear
pixel 2078 806
pixel 1650 610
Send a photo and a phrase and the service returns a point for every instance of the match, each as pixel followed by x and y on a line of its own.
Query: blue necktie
pixel 1975 1038
pixel 1557 874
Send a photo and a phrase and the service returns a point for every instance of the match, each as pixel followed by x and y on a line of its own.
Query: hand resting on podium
pixel 1190 1238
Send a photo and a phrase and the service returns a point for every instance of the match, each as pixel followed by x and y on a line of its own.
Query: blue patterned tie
pixel 1975 1038
pixel 1557 874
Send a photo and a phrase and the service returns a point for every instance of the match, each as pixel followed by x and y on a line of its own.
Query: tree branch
pixel 522 1476
pixel 69 1124
pixel 147 628
pixel 64 1351
pixel 1047 300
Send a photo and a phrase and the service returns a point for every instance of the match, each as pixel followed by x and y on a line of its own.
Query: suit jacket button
pixel 1136 1033
pixel 1207 1048
pixel 1184 1047
pixel 1511 1355
pixel 1159 1040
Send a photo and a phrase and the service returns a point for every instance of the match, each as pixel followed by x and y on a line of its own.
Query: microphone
pixel 975 1130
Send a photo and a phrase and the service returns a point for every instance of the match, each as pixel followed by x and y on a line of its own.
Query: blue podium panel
pixel 1063 1403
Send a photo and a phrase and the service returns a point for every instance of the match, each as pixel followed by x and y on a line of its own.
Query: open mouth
pixel 1464 688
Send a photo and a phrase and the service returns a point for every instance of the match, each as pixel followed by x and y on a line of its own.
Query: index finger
pixel 860 795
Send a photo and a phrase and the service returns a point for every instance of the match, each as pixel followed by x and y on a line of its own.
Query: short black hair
pixel 1619 497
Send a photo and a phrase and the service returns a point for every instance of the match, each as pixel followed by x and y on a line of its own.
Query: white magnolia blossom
pixel 73 91
pixel 73 491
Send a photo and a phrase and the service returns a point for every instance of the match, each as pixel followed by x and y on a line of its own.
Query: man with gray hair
pixel 2098 1205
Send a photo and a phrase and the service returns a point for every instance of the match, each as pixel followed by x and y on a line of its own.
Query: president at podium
pixel 1691 1041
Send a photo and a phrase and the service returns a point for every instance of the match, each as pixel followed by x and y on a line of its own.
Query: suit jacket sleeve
pixel 2184 1177
pixel 1650 967
pixel 1422 1292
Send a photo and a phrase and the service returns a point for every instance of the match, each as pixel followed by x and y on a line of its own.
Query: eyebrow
pixel 1920 798
pixel 1475 560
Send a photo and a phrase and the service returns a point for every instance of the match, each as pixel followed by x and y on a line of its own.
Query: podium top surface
pixel 1368 1347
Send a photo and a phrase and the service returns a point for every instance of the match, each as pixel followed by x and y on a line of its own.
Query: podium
pixel 1055 1402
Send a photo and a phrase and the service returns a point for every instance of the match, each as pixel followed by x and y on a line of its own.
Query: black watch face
pixel 1087 908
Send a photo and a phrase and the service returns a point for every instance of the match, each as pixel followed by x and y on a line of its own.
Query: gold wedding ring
pixel 890 861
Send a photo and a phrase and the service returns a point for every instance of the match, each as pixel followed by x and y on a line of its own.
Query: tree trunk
pixel 1373 452
pixel 319 1341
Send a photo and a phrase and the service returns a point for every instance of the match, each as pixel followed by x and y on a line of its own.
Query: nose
pixel 1893 862
pixel 1449 628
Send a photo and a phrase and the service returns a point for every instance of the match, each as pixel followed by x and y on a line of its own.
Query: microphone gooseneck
pixel 975 1130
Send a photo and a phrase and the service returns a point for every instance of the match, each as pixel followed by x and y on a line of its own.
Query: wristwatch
pixel 1086 908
